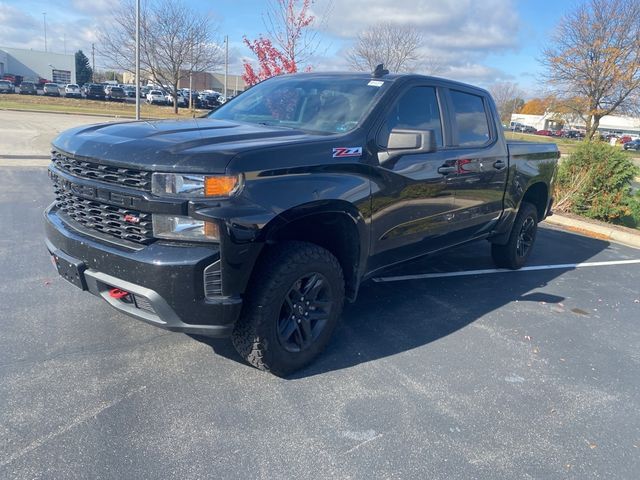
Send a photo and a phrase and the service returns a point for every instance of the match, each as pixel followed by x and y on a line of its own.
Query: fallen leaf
pixel 535 350
pixel 47 283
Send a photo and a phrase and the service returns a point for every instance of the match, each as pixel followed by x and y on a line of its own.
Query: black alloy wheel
pixel 526 237
pixel 305 312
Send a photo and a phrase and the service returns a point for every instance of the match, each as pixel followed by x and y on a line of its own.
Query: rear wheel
pixel 516 251
pixel 292 307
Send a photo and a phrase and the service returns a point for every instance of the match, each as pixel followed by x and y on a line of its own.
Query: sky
pixel 477 41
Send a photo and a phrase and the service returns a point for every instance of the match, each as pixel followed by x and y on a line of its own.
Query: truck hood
pixel 199 145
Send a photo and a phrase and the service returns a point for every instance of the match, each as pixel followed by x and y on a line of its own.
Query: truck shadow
pixel 391 318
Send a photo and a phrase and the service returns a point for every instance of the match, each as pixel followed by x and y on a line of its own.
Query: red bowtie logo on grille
pixel 131 218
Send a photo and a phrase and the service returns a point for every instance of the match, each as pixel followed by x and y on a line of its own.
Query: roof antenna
pixel 380 71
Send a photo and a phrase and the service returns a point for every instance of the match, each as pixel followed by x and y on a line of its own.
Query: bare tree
pixel 508 98
pixel 174 42
pixel 396 46
pixel 595 58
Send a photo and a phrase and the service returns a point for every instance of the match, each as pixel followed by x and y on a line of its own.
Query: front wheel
pixel 293 304
pixel 515 253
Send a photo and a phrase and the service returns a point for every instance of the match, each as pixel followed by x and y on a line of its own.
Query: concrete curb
pixel 595 229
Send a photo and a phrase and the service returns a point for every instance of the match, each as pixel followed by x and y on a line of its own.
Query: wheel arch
pixel 335 225
pixel 537 193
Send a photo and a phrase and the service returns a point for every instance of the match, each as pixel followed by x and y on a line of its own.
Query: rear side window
pixel 417 109
pixel 470 119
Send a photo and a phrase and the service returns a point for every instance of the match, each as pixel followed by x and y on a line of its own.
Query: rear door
pixel 480 163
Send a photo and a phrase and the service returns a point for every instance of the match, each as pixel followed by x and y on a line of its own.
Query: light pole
pixel 44 18
pixel 137 60
pixel 226 64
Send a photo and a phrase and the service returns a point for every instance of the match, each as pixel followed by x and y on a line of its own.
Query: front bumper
pixel 164 281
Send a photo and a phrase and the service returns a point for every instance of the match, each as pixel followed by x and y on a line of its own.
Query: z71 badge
pixel 339 152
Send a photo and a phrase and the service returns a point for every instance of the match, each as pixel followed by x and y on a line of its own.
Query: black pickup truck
pixel 258 220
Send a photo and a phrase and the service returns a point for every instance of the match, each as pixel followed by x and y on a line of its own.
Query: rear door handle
pixel 444 170
pixel 499 164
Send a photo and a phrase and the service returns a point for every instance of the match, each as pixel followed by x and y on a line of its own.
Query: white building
pixel 34 65
pixel 619 125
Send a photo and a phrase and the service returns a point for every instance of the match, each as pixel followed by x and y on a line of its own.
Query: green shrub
pixel 595 181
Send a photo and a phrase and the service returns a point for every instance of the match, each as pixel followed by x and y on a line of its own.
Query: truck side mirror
pixel 406 142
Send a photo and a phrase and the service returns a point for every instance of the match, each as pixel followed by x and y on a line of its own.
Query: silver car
pixel 7 87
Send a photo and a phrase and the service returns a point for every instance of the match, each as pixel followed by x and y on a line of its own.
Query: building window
pixel 61 76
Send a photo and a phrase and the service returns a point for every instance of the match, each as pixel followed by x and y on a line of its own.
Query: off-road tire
pixel 510 255
pixel 255 336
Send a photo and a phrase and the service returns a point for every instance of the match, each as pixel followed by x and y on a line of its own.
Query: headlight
pixel 177 227
pixel 193 186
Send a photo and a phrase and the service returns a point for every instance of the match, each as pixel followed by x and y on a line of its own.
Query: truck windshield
pixel 319 104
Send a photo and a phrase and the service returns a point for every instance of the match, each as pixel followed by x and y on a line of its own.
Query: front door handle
pixel 445 170
pixel 499 164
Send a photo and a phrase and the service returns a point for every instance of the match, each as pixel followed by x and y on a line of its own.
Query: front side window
pixel 417 109
pixel 325 105
pixel 470 117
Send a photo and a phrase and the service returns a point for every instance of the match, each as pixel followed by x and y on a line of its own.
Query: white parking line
pixel 561 266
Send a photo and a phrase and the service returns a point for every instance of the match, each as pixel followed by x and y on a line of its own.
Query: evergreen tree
pixel 84 73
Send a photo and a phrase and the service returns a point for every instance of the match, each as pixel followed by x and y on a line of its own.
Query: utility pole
pixel 44 17
pixel 226 64
pixel 93 61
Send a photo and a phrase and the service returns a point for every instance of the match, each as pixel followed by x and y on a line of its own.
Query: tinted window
pixel 318 103
pixel 417 109
pixel 470 119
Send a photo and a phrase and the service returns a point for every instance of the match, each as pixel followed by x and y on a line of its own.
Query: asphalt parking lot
pixel 531 374
pixel 435 372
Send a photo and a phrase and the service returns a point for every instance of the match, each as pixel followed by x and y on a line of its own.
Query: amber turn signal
pixel 220 186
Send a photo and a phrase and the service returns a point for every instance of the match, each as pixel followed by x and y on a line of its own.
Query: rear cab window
pixel 470 119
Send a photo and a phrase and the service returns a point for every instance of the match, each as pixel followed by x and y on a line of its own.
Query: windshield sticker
pixel 375 83
pixel 340 152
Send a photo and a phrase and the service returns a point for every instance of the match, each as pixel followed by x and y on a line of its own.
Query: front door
pixel 411 202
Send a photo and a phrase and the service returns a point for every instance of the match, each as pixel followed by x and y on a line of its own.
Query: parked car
pixel 573 134
pixel 7 87
pixel 115 94
pixel 210 101
pixel 182 101
pixel 71 90
pixel 632 145
pixel 545 133
pixel 129 91
pixel 156 97
pixel 257 221
pixel 625 138
pixel 51 90
pixel 28 88
pixel 94 91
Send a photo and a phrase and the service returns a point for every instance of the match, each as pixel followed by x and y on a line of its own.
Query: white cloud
pixel 458 34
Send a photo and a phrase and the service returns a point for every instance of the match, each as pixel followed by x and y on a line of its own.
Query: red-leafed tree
pixel 289 43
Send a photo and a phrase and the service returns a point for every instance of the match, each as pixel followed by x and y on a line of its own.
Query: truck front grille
pixel 120 222
pixel 128 177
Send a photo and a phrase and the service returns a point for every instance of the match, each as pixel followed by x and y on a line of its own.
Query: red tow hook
pixel 117 293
